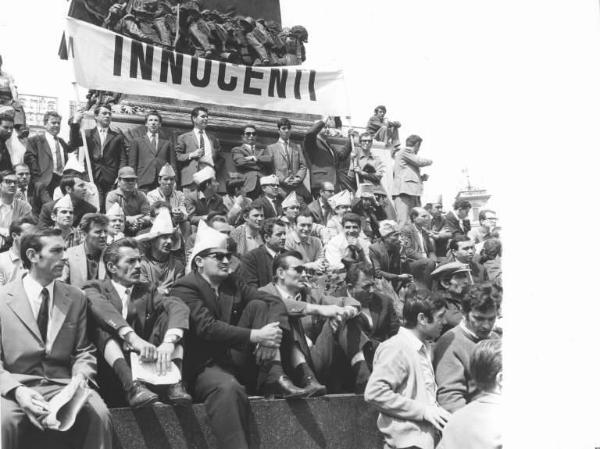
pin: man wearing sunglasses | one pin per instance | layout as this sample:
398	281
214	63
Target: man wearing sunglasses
252	162
368	166
228	321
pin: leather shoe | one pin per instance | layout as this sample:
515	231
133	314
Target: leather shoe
313	387
177	395
139	396
283	388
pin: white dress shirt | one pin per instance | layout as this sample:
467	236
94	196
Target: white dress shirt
52	142
33	290
103	132
207	145
425	361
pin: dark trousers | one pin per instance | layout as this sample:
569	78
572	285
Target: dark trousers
92	428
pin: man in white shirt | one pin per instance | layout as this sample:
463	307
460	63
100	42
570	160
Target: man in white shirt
45	347
131	316
10	208
10	261
335	250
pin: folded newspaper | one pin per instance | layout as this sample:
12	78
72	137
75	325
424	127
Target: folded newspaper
148	372
65	406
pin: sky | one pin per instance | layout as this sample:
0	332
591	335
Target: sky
506	89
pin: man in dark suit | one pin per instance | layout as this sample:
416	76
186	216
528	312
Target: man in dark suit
457	220
252	162
197	149
153	327
320	208
388	255
44	347
26	189
269	200
288	162
325	156
257	265
46	156
227	319
107	149
6	130
149	153
420	249
75	187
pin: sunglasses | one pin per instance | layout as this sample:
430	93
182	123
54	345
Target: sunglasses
366	141
220	256
129	179
299	269
250	134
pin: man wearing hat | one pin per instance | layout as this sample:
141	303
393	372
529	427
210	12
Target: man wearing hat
388	255
341	203
204	197
382	199
84	262
269	200
160	266
290	207
252	162
320	208
75	188
62	218
133	202
382	129
408	181
166	192
228	319
451	281
369	210
116	223
336	248
368	166
128	315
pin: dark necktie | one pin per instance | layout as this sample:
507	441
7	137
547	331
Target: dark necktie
153	141
42	319
59	164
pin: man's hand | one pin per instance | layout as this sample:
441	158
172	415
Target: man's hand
269	335
77	117
350	312
436	416
239	200
196	154
405	277
264	354
33	404
330	311
79	379
164	353
147	351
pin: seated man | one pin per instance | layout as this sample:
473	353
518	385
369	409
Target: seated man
133	202
166	192
116	223
388	255
290	207
369	210
337	246
320	208
227	320
75	188
381	128
160	266
450	282
11	208
461	249
257	265
44	347
487	229
84	262
477	425
452	352
247	236
341	204
129	316
269	200
11	265
310	247
62	218
457	220
234	200
420	249
204	199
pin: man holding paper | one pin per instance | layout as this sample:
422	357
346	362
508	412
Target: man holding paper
44	347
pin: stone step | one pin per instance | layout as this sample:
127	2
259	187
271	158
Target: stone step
342	421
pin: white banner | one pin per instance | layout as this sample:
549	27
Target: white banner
105	60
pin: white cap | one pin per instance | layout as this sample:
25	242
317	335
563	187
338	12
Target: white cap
267	180
387	227
290	200
162	225
64	203
166	170
365	190
115	211
74	164
206	238
203	175
343	198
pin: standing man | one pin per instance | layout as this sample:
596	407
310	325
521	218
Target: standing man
288	161
106	147
6	130
133	202
252	162
11	265
269	200
150	152
46	156
320	208
52	349
84	262
197	149
438	221
402	386
408	181
369	167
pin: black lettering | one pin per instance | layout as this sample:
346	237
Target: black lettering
139	59
118	59
278	80
205	76
221	79
311	85
250	75
175	62
297	85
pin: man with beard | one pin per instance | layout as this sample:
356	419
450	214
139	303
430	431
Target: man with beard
452	352
388	255
252	162
369	210
337	246
450	282
132	201
257	265
320	208
160	267
84	262
228	319
247	236
130	316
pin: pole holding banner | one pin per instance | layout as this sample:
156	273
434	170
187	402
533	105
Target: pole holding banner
86	154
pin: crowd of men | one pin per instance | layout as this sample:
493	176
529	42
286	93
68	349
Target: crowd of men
305	278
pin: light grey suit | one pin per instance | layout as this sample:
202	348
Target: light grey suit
408	186
75	271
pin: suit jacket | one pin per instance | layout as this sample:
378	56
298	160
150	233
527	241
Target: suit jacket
239	236
452	225
80	208
38	156
294	165
324	156
75	271
5	160
257	267
410	233
316	210
149	309
407	173
252	170
187	143
106	160
23	356
147	160
267	208
384	264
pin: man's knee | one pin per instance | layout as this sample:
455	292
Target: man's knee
97	411
12	418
